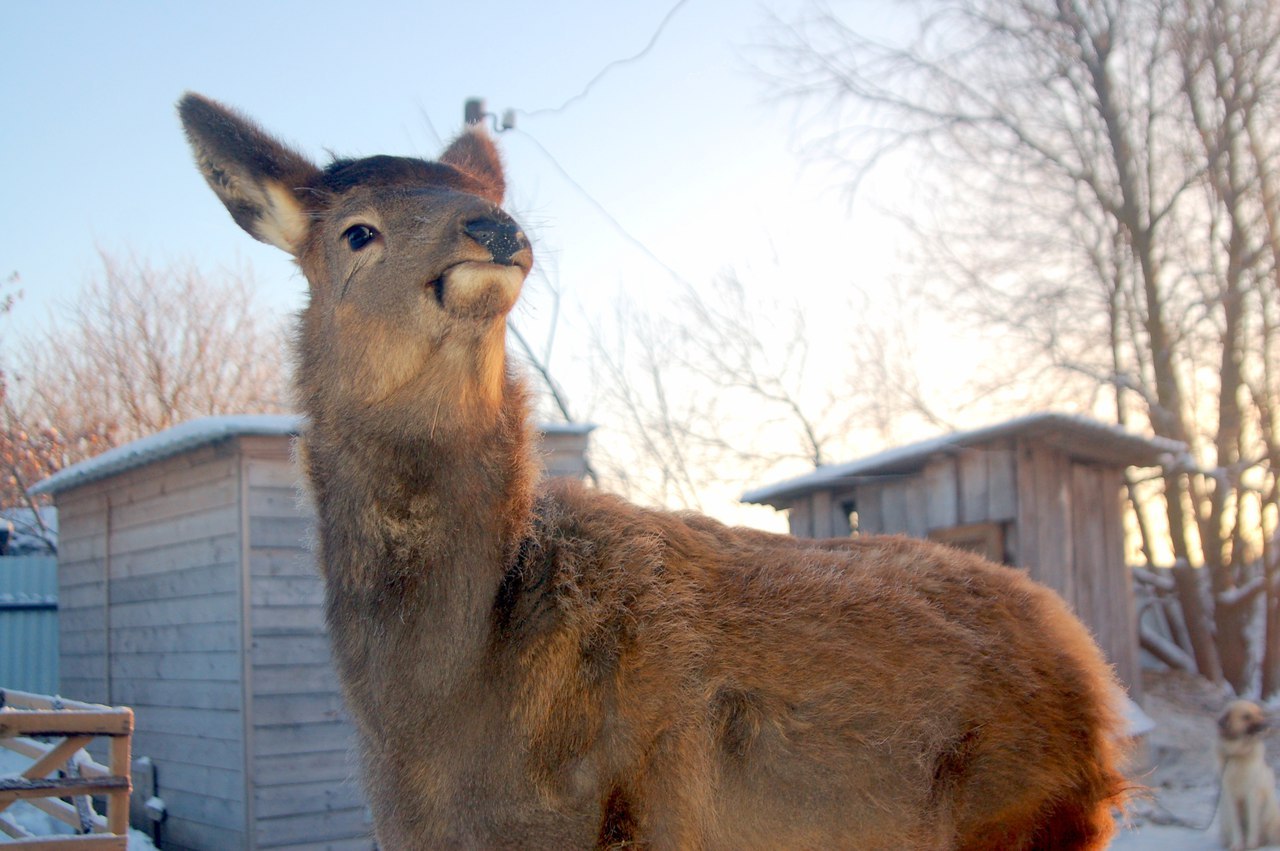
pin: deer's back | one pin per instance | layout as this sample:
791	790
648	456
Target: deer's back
720	687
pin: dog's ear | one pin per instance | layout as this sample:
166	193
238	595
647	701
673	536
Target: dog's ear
1224	723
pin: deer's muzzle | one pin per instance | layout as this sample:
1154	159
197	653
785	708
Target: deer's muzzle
500	236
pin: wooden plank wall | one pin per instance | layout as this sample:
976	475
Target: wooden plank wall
972	486
306	791
82	610
1071	538
820	515
564	454
162	636
1045	518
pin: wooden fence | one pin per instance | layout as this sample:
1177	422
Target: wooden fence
53	732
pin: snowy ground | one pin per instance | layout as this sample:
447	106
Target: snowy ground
1178	814
39	823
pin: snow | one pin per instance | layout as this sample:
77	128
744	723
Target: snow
40	823
167	443
1138	722
1158	838
1135	449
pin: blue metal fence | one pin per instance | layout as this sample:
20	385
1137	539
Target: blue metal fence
29	623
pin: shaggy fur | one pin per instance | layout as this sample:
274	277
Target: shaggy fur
540	665
1248	815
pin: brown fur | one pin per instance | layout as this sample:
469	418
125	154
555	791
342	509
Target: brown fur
540	665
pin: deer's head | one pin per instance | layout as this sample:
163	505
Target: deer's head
412	265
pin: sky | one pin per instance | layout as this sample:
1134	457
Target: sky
682	150
682	160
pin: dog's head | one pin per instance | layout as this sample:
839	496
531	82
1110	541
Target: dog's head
1242	719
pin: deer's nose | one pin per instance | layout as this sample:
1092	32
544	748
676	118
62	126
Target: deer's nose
500	235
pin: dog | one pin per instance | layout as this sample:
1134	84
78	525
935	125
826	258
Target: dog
1248	813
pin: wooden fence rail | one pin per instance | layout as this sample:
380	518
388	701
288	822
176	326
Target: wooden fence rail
52	732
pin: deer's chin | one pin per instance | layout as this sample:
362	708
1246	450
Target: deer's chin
475	290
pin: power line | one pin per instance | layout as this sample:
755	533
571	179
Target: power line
600	208
614	64
564	173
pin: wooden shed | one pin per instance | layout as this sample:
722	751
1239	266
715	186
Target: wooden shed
188	592
1041	492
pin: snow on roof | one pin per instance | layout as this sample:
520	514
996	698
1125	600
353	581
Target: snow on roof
199	432
566	428
1079	437
167	443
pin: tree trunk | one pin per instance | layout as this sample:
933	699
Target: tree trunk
1271	641
1191	598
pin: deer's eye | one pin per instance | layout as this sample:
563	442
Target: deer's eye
358	236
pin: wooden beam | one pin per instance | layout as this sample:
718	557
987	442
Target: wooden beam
15	788
40	723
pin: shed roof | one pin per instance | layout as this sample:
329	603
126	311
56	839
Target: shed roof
1079	437
199	432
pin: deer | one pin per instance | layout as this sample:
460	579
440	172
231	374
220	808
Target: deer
535	663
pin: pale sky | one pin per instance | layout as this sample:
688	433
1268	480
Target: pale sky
684	147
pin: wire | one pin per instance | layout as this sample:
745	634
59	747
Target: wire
586	90
614	64
600	208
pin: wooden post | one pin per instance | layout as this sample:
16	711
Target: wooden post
118	802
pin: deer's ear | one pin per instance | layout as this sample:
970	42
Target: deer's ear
257	177
475	154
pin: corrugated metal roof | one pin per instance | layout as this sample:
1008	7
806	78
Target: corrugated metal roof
29	623
199	432
1080	437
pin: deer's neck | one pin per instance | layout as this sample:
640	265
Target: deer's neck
418	526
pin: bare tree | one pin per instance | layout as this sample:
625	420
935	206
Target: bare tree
723	386
641	390
139	350
22	455
1110	171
